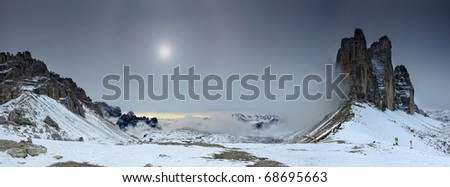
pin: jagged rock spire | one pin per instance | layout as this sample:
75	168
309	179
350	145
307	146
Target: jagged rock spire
371	74
381	59
353	58
404	89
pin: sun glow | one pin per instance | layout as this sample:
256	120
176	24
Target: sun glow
165	52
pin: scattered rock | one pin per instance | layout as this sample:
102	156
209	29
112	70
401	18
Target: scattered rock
21	149
163	155
7	144
16	116
56	136
73	164
50	122
35	150
17	152
148	165
3	120
267	163
58	157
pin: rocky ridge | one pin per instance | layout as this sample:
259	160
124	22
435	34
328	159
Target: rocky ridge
371	76
258	121
21	72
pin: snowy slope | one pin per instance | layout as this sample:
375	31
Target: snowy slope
370	125
71	126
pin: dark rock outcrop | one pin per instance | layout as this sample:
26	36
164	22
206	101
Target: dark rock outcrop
17	117
371	77
353	58
404	90
107	110
129	119
21	72
381	59
50	122
258	121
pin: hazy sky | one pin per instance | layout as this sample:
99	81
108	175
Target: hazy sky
86	40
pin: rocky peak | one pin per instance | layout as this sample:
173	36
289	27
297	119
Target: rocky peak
404	90
22	73
371	75
359	35
353	58
107	110
381	59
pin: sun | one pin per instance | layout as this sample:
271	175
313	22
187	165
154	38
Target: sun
165	52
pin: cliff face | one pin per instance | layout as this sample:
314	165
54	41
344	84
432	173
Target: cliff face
404	90
371	76
20	72
353	58
381	60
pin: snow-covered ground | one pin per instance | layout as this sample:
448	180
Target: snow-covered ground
365	140
317	154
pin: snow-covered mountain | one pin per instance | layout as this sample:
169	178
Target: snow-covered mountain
364	124
41	117
440	115
258	121
381	107
38	103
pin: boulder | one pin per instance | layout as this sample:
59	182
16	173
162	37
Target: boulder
35	150
17	152
50	122
17	117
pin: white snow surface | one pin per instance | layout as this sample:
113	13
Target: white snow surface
369	125
366	140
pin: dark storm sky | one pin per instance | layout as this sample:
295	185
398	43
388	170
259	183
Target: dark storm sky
86	40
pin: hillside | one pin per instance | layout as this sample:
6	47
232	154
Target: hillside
40	117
